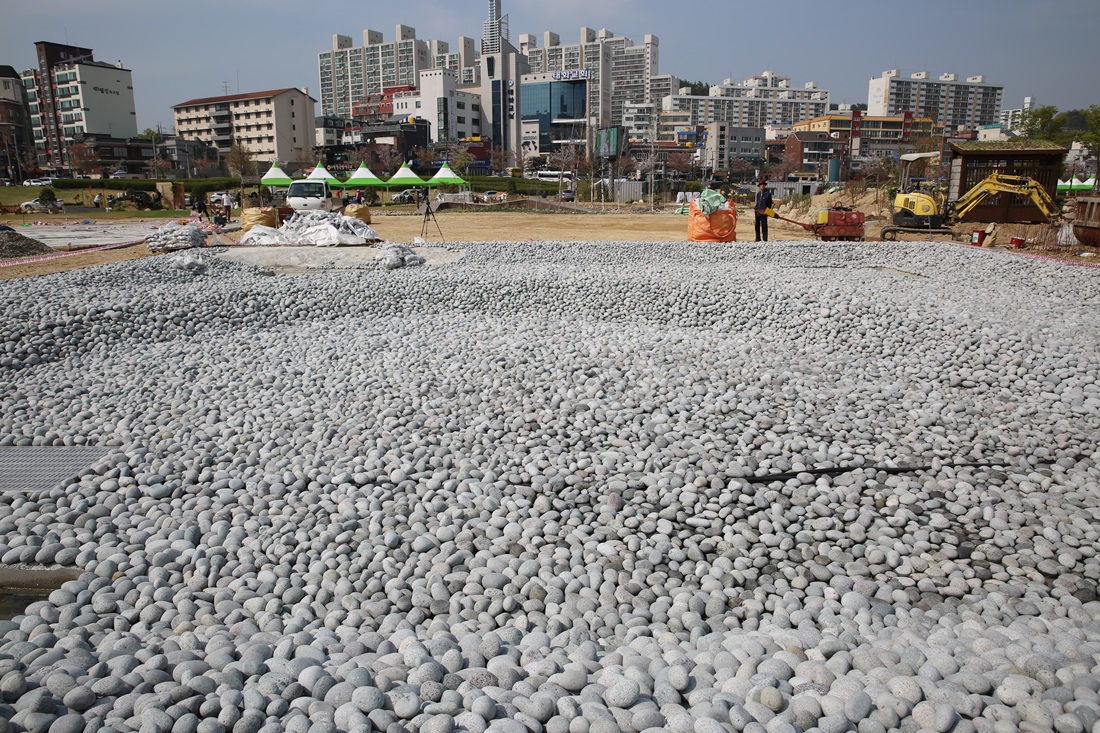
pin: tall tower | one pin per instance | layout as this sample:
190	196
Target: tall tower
494	30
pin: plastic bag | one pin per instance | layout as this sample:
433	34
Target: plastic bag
190	262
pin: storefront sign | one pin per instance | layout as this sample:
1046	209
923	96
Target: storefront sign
572	74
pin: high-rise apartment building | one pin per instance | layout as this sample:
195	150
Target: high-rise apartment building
954	103
757	101
71	94
1011	118
618	70
463	62
349	73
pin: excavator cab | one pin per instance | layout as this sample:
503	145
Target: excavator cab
916	208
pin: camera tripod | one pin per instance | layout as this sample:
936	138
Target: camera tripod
430	215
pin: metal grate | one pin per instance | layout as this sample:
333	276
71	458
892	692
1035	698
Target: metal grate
42	468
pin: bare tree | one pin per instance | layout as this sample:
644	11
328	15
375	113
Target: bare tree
84	159
392	158
679	162
499	159
239	161
424	157
28	161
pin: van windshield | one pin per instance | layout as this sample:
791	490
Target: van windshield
307	189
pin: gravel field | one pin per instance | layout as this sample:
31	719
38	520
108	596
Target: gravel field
562	488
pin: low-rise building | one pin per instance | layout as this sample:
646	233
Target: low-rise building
15	131
812	151
274	125
452	113
873	136
727	143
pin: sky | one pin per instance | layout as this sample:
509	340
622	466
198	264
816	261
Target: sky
178	51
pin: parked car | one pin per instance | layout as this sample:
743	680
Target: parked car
38	182
408	196
37	207
567	195
5	182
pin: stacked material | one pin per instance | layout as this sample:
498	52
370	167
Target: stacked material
396	256
175	236
316	228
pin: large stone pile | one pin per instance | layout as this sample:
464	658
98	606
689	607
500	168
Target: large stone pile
530	492
14	245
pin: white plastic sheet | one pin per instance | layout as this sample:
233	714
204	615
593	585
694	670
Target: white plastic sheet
316	228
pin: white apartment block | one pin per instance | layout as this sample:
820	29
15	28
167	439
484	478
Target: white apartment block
71	94
452	114
953	103
348	73
277	125
462	62
620	71
1011	118
758	101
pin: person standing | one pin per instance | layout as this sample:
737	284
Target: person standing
98	200
763	202
227	206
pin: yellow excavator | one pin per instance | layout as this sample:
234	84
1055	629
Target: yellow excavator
916	212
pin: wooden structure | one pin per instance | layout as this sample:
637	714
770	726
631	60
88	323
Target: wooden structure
1086	222
971	162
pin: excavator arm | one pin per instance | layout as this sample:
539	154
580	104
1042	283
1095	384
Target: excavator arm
997	183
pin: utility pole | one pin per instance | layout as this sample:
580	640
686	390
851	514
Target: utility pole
653	159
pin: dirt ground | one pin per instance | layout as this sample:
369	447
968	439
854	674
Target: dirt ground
638	224
74	262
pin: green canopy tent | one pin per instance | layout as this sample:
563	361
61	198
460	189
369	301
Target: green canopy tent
363	177
275	177
445	177
405	177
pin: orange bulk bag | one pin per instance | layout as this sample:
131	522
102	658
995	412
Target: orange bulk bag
721	226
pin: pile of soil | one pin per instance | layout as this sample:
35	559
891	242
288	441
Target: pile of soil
14	245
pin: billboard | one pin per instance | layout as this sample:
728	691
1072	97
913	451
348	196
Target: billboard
609	142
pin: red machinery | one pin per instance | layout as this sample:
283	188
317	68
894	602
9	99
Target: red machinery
836	224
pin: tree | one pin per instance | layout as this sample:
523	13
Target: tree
392	158
499	159
150	134
239	161
28	161
461	160
1090	136
83	158
1044	123
699	88
741	168
424	157
534	164
680	162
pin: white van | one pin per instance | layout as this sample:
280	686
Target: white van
310	195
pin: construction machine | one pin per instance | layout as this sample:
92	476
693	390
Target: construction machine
838	224
916	212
